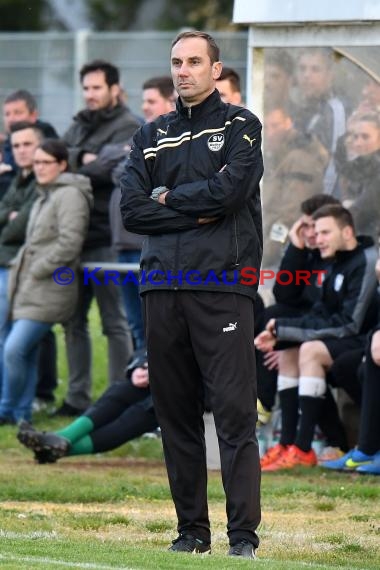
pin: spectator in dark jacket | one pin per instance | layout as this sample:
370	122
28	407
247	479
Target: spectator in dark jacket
104	121
347	310
14	213
293	299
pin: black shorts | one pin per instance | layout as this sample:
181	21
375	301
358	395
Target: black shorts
337	346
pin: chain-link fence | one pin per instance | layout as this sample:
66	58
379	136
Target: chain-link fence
47	64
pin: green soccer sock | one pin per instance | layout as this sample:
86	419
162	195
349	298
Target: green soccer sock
77	429
83	446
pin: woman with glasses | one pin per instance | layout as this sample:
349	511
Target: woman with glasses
43	283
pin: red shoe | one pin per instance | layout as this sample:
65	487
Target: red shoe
291	458
272	454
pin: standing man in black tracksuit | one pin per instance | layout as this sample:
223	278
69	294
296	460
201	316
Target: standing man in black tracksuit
192	185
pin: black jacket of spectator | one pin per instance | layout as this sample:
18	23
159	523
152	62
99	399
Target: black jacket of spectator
90	132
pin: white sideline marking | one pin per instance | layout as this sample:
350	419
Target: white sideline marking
36	534
93	566
296	563
53	561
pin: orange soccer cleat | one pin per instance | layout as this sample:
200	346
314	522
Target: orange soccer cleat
292	457
272	454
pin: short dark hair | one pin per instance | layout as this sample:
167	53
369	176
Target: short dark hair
312	204
163	83
56	148
212	47
111	72
22	125
232	76
341	215
22	95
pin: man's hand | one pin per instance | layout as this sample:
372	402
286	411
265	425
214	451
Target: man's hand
295	234
271	360
265	341
140	377
157	192
88	157
161	198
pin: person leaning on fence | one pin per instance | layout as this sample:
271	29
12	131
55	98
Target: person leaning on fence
191	180
347	311
125	411
104	121
55	233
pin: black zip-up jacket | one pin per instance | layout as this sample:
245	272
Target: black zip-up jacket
348	306
298	293
90	132
186	151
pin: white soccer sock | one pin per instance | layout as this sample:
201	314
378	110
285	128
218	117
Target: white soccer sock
286	382
312	386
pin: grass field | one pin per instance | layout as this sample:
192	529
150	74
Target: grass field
113	511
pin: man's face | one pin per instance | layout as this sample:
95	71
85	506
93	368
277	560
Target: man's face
330	238
364	138
193	73
276	126
371	94
308	231
154	104
97	93
313	76
227	94
16	111
276	82
24	144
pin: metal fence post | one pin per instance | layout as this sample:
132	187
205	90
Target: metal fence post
80	58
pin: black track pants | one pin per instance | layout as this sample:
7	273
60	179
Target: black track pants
196	339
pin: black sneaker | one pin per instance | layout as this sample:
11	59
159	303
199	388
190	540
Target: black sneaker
243	548
67	410
191	544
47	446
45	456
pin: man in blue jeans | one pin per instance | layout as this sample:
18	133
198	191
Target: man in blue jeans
14	213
